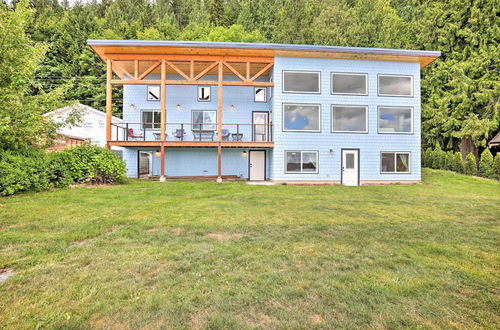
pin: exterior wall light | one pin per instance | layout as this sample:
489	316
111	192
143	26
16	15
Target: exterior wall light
232	107
244	154
157	153
133	107
178	107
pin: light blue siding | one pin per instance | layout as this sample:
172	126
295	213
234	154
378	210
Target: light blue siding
203	161
370	144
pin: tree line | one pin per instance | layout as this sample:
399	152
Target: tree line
460	91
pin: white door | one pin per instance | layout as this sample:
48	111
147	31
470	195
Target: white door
260	127
257	164
350	167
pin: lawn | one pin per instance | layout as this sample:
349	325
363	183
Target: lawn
207	255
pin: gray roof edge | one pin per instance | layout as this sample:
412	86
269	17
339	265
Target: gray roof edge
243	45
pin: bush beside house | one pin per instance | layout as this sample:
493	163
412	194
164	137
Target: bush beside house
489	166
36	170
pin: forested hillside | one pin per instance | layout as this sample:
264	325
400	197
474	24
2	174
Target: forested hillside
460	91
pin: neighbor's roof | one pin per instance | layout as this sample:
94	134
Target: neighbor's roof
80	106
495	142
160	47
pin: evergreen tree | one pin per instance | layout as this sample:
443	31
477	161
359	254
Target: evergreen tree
458	164
470	166
496	165
486	168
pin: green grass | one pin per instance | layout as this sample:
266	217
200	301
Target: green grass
207	255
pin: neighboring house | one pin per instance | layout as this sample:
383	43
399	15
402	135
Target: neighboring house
92	126
286	113
495	142
63	141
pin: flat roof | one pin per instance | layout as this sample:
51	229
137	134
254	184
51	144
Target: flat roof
105	47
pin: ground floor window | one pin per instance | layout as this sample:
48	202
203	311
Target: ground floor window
204	120
301	161
395	162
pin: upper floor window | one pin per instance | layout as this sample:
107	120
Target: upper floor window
301	82
204	93
151	119
260	94
349	118
395	85
349	83
301	161
301	117
204	120
395	162
395	120
153	93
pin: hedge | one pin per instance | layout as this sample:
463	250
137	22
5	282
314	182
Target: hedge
36	170
489	166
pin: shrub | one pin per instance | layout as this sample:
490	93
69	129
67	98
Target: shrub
449	160
36	170
486	165
458	164
427	157
438	158
496	165
21	172
94	164
470	166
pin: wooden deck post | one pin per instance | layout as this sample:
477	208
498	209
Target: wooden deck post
109	101
219	122
163	119
162	163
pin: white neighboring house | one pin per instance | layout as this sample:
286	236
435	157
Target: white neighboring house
92	125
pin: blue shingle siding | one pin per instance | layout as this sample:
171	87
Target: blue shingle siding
370	144
203	161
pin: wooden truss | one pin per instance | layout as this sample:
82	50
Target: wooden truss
191	70
133	69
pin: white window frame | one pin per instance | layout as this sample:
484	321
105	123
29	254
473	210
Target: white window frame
387	106
209	93
350	106
301	162
152	128
300	71
255	94
348	74
159	93
395	161
394	75
300	130
203	124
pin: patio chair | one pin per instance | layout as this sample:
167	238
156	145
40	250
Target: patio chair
179	134
225	134
132	135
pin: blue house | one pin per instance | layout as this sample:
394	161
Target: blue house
284	113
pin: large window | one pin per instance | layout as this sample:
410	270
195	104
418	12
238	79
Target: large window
204	120
151	119
349	83
393	85
301	161
301	117
301	82
349	118
395	120
395	162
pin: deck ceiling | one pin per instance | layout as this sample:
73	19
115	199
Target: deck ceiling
137	49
